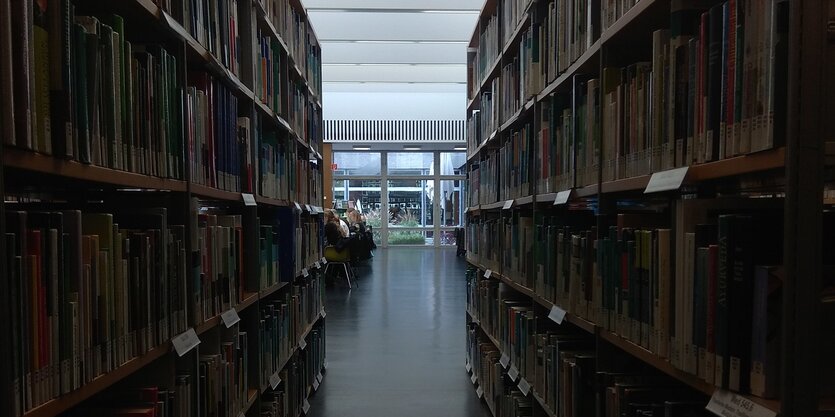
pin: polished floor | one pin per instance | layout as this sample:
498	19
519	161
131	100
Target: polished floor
396	344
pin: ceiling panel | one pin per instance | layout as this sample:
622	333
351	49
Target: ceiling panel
395	73
380	87
396	4
399	53
362	26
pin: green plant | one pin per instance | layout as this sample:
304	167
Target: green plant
406	238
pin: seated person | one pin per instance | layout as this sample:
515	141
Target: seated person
338	246
332	217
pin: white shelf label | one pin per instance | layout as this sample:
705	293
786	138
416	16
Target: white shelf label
319	377
302	344
305	273
557	314
249	200
524	386
504	360
185	342
317	264
507	205
727	404
474	378
323	313
275	380
666	180
480	392
324	261
325	365
306	406
298	207
468	367
488	273
562	197
513	373
315	385
230	317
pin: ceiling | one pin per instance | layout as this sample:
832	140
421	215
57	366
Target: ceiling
386	45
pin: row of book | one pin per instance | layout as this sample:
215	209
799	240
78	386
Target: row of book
518	243
513	12
304	49
94	291
482	58
283	323
612	10
76	88
511	90
514	163
672	295
562	31
555	145
213	24
150	401
269	247
277	160
223	378
559	365
484	121
269	72
218	139
220	278
304	372
309	240
484	178
486	247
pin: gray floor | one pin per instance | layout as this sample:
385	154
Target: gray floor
396	344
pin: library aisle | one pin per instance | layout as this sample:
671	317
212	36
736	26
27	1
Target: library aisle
395	344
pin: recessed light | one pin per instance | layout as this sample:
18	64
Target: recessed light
460	148
411	148
362	148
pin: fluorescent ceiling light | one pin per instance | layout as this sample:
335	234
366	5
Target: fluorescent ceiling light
460	148
411	148
395	41
362	148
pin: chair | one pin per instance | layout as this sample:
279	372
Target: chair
339	259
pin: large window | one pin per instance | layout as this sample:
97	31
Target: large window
409	198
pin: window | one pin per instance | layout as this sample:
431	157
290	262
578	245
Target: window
410	163
359	164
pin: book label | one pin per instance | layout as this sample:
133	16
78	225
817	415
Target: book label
562	197
302	344
230	317
315	385
474	378
249	200
524	386
298	207
306	406
480	392
488	273
185	342
319	377
323	313
324	261
307	208
505	360
727	404
468	367
274	380
507	205
513	373
305	273
317	265
666	180
557	314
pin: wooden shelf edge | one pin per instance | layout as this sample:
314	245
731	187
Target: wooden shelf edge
542	404
627	18
295	348
561	79
513	40
26	160
97	385
214	193
271	201
271	290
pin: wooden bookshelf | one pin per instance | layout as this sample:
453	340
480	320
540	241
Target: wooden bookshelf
28	161
295	348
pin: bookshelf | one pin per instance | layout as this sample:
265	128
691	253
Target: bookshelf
162	179
571	127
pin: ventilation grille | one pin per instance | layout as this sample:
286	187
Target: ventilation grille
395	131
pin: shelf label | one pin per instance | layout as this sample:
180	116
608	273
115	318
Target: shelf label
317	265
480	392
468	367
324	261
315	385
275	380
488	273
727	404
557	314
307	208
320	377
524	386
302	344
513	373
306	406
474	378
562	197
666	180
305	273
241	414
249	200
185	342
505	360
507	205
323	313
298	207
230	317
325	365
